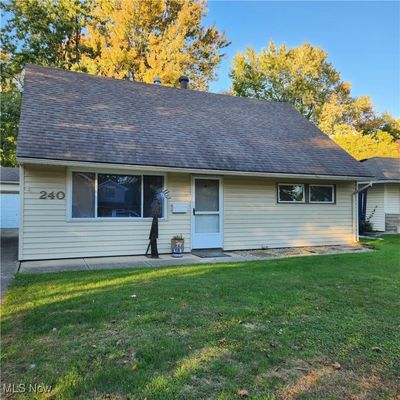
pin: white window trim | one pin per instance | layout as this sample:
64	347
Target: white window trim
112	172
321	202
291	202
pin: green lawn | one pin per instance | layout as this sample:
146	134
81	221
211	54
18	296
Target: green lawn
272	328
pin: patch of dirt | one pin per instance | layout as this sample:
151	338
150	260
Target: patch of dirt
305	383
302	251
320	379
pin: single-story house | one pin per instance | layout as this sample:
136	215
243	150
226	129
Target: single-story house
241	173
9	197
380	203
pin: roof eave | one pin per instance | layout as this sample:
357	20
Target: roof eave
379	181
65	163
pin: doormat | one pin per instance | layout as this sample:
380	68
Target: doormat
209	253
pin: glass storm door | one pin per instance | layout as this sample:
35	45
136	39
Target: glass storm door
207	213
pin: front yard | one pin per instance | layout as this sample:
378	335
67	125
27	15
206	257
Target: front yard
323	327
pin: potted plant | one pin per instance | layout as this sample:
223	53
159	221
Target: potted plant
177	246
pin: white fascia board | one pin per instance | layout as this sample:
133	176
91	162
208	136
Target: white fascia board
379	182
43	161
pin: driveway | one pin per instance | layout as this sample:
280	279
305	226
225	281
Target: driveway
9	256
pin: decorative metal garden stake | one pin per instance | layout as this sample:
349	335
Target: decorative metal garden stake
156	213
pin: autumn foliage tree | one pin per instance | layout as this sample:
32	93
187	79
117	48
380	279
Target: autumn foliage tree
304	77
361	145
141	40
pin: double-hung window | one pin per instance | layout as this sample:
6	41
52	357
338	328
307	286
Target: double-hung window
102	195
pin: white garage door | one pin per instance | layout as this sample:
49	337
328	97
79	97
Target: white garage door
9	208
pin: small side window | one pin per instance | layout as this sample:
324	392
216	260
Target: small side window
322	194
291	193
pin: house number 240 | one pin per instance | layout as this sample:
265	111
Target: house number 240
59	195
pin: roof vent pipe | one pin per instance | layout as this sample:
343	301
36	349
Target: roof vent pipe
184	80
157	81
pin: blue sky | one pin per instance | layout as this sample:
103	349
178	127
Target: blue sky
362	39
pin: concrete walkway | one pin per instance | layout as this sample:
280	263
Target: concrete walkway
9	256
98	263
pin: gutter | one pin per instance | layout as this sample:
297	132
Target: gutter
45	161
381	181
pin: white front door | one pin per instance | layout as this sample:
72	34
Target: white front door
207	229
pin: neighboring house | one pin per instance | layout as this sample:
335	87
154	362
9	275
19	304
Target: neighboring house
381	201
9	197
242	173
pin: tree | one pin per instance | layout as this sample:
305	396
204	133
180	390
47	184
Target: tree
10	104
141	40
358	113
391	125
362	146
301	76
44	32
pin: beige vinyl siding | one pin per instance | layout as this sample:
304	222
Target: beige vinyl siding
376	207
392	198
392	207
48	234
253	218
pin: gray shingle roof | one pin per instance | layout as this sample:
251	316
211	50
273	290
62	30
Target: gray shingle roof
8	174
383	168
79	117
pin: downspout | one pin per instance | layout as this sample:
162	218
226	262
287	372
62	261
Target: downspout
21	212
356	209
355	214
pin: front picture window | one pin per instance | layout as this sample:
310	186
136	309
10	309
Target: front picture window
291	193
118	196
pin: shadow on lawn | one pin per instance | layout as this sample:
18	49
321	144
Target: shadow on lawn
198	330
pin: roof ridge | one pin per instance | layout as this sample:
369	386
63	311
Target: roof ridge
159	87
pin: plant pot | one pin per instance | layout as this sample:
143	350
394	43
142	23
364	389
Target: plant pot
177	247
